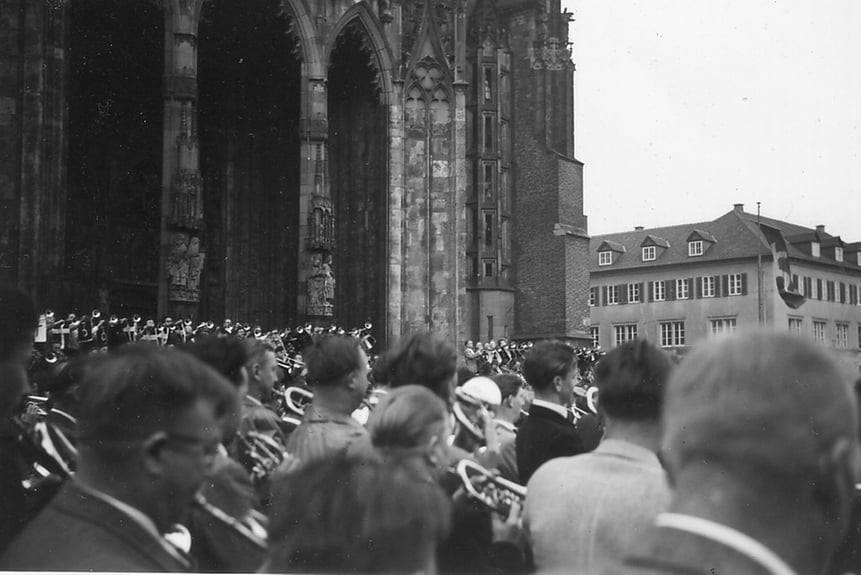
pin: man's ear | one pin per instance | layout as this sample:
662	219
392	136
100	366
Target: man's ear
557	383
835	486
152	452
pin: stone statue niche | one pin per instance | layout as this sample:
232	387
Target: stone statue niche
320	243
321	285
184	266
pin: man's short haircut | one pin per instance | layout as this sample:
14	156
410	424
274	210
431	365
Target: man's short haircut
545	361
424	359
255	350
762	405
380	372
342	514
227	355
509	384
18	319
331	358
406	418
139	389
631	379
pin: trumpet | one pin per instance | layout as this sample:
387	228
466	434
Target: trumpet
494	492
250	529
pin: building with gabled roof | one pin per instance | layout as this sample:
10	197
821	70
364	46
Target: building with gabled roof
681	285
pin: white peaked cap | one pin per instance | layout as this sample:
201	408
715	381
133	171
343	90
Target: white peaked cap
483	389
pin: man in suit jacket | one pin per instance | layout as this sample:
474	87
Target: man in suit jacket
583	512
760	442
548	432
149	426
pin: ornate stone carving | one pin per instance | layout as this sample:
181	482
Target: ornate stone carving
551	55
321	225
185	211
321	286
184	267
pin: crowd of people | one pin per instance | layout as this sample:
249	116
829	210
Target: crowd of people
741	458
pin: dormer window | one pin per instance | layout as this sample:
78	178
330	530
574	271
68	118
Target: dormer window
838	253
814	249
695	248
649	253
605	258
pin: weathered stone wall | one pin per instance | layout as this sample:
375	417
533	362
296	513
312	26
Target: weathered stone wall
32	146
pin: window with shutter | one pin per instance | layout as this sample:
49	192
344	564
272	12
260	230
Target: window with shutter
743	284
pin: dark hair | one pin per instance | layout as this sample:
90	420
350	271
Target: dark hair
18	319
406	418
140	389
227	355
509	384
545	361
380	372
330	358
255	350
424	359
631	380
355	515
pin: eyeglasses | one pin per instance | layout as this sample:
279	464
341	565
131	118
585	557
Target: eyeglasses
208	448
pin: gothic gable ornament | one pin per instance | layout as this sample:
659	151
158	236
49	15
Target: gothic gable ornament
551	55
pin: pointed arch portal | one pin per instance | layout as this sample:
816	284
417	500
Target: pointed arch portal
358	169
249	108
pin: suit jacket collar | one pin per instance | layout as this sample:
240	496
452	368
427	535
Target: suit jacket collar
540	410
78	502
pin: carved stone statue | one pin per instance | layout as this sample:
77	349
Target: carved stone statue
320	284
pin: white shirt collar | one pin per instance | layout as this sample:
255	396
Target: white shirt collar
560	409
254	401
732	538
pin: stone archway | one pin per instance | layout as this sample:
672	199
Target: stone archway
114	155
249	78
358	172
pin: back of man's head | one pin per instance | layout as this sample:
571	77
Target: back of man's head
139	390
342	515
631	380
424	359
509	384
227	355
547	360
18	319
763	408
330	359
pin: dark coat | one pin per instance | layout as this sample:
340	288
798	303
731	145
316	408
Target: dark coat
78	532
543	436
665	551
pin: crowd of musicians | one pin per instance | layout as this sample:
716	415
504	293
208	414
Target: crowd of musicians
211	454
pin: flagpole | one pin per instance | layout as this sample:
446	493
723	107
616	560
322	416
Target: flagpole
758	270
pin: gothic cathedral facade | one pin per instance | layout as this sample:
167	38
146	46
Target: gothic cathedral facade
408	163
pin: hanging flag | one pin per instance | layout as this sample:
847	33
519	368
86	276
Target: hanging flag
787	288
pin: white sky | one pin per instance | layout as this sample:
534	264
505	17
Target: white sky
685	107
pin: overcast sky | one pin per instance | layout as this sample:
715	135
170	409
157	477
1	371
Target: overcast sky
683	108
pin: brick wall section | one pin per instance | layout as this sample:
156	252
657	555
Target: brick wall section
551	268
